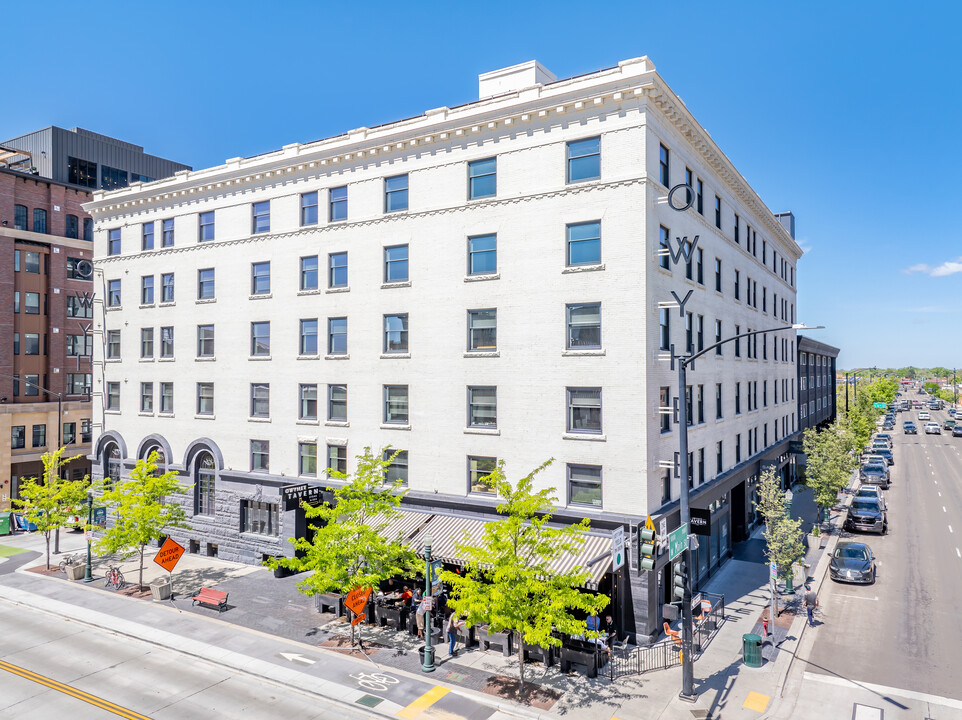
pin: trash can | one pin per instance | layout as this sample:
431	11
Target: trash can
5	519
752	650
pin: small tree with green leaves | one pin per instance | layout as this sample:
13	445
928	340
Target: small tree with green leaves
50	502
830	462
350	549
783	534
142	512
509	583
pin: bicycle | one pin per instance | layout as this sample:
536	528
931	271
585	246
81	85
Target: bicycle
114	577
69	560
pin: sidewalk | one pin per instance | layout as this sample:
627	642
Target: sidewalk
273	631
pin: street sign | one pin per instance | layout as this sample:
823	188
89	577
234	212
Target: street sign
359	619
617	548
169	554
773	570
294	494
880	406
677	539
356	600
700	521
662	534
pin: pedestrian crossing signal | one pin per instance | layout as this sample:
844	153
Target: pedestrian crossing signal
647	542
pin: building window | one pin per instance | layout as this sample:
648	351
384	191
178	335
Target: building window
483	330
718	275
205	284
479	468
664	324
260	455
337	403
79	345
147	343
700	332
31	262
113	241
584	326
261	339
396	333
483	255
78	269
167	397
147	290
31	385
738	448
397	471
738	341
737	228
584	485
699	266
167	287
584	410
738	285
39	220
308	343
396	264
483	406
18	437
337	336
167	342
39	436
31	344
718	337
205	398
718	401
396	404
78	383
307	402
664	166
112	178
718	213
337	459
19	217
204	477
337	270
701	404
738	398
309	208
482	178
205	226
396	193
81	172
664	249
72	227
31	303
307	459
700	197
337	203
260	518
147	236
113	396
261	217
309	272
167	233
146	397
205	341
261	278
584	243
584	159
664	408
113	344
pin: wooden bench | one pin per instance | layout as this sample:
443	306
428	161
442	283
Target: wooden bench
330	600
213	598
581	652
489	638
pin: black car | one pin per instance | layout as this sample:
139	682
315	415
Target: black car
910	429
875	474
852	562
867	514
886	453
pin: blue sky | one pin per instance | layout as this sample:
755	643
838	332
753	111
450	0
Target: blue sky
847	114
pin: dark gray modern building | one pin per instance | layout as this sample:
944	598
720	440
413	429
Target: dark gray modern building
816	383
84	158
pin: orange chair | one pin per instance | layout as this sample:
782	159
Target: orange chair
675	637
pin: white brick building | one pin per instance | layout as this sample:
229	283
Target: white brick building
243	303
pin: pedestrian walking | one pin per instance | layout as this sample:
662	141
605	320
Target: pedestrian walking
419	617
452	626
811	602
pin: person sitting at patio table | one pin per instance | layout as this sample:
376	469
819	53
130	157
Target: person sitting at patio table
406	596
593	624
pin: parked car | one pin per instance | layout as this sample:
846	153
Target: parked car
871	492
875	473
867	514
910	429
957	431
933	428
885	453
924	415
886	436
852	562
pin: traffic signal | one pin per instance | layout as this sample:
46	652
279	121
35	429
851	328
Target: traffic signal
678	573
647	541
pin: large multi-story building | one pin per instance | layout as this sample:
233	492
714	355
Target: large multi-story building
497	281
816	383
46	276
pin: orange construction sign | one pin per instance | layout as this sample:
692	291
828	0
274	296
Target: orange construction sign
359	619
169	554
356	600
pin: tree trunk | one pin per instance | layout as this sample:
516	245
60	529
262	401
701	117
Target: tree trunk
520	658
140	576
47	538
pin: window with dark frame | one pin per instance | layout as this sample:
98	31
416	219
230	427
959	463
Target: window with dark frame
337	270
337	203
309	208
482	178
261	217
584	410
205	226
308	275
583	159
584	485
396	193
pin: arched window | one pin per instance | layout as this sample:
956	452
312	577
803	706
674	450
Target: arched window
204	476
111	464
161	459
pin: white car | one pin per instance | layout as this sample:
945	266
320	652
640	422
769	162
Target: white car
933	429
924	415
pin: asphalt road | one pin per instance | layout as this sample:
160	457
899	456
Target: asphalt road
905	631
82	673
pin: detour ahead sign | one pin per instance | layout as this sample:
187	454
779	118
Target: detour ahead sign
169	554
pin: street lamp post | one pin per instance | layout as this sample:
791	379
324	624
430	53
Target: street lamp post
687	666
90	523
428	664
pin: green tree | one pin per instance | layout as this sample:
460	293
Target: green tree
831	460
930	387
49	503
141	510
783	534
509	582
350	549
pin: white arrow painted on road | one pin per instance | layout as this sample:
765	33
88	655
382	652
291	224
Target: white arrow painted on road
295	657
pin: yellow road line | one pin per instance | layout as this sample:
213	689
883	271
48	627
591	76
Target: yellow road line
73	692
423	703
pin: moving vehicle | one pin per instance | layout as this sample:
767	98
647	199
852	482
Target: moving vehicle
924	415
852	562
933	428
957	431
910	429
948	424
867	514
